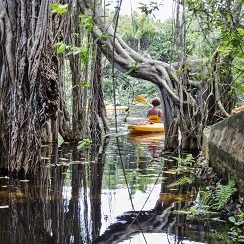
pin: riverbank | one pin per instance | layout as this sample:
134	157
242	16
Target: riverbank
222	157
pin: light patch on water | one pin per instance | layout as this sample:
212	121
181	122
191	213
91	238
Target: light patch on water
155	238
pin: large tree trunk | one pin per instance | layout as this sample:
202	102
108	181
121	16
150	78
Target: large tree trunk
29	81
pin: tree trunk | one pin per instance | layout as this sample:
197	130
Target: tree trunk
29	82
97	106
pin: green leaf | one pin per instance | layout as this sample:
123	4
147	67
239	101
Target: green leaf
61	48
83	16
58	44
55	7
232	219
61	11
84	84
59	8
130	70
97	39
85	143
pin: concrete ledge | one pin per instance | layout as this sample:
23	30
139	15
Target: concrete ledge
225	148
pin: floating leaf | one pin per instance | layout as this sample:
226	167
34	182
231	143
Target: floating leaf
170	172
4	206
43	158
24	180
4	177
63	159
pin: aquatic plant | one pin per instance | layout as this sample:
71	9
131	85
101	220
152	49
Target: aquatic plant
223	194
211	200
182	181
187	161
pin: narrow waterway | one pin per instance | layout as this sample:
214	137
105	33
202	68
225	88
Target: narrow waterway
116	192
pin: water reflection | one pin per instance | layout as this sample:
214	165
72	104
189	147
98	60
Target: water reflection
116	192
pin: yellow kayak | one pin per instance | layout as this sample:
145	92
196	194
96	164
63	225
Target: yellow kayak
148	128
121	108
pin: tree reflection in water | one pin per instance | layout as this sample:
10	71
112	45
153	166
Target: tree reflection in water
65	202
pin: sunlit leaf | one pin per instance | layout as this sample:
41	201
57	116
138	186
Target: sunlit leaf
44	158
62	11
170	172
55	7
84	84
58	43
83	16
4	206
61	48
4	177
63	159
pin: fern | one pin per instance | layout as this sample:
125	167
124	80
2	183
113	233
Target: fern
187	161
182	181
207	200
223	193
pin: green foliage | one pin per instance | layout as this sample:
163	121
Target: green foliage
60	47
85	143
82	51
236	231
132	68
209	200
59	8
237	219
87	22
150	8
104	37
223	19
182	181
223	193
187	161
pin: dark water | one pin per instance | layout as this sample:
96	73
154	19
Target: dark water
116	192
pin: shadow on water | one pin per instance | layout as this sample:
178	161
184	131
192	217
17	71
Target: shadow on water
113	193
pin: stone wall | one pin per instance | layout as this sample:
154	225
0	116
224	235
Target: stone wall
223	147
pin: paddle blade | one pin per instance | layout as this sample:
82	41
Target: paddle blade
141	99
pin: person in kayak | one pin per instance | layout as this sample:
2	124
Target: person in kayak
155	114
117	101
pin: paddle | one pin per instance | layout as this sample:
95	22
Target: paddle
141	99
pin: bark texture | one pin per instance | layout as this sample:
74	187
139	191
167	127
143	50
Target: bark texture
29	81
